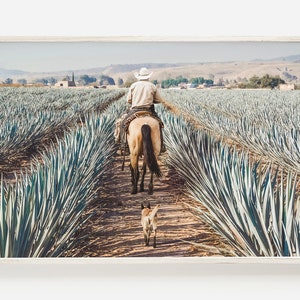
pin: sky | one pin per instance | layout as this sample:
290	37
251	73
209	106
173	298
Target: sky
61	56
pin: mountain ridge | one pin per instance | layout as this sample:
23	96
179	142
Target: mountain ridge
288	66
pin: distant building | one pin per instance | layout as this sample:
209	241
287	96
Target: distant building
66	83
287	87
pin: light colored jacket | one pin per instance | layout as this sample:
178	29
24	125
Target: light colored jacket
143	93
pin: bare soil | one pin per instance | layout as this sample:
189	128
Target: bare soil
114	228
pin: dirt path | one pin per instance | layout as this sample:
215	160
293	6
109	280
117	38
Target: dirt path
115	230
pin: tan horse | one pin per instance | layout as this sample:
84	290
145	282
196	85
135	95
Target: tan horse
144	139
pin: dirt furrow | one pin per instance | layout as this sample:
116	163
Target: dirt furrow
115	230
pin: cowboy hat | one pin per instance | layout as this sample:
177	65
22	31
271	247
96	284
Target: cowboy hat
143	74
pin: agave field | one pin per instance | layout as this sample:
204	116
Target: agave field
238	152
41	210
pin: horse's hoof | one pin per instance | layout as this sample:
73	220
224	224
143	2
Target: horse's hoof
134	190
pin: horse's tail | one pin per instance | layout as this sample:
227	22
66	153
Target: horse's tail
149	155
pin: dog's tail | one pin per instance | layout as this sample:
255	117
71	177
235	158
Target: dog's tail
154	211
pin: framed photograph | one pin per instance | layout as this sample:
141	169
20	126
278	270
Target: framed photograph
216	193
226	185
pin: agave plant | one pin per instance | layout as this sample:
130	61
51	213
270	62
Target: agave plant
40	214
265	122
257	212
31	117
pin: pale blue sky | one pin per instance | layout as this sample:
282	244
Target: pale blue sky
44	57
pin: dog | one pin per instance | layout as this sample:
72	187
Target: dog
149	222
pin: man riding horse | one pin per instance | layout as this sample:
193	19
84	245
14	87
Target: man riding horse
142	96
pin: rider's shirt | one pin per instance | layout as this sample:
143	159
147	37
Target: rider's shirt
143	93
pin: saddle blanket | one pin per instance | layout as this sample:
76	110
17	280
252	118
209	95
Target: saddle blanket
140	114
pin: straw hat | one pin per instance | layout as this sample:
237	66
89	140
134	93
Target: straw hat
143	74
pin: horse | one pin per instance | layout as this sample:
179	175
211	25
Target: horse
144	140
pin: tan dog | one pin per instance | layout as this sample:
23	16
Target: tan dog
149	222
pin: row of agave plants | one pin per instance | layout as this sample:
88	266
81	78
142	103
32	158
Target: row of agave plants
55	99
266	122
41	212
31	116
255	208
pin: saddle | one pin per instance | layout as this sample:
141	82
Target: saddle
139	114
124	124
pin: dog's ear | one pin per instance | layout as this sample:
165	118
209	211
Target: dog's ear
145	204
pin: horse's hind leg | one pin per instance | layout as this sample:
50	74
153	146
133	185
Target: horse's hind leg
135	175
134	178
143	177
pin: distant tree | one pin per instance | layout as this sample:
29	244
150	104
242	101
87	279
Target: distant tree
22	81
265	81
43	81
52	80
197	80
8	81
168	83
254	82
106	80
86	79
120	82
209	82
201	80
171	82
181	79
276	81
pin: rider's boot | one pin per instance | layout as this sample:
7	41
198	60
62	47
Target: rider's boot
124	145
162	147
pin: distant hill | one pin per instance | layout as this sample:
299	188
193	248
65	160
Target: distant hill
291	58
288	68
5	73
125	70
227	71
113	69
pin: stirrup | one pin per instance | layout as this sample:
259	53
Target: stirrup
163	149
123	150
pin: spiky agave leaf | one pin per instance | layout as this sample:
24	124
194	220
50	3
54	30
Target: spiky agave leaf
241	202
42	212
